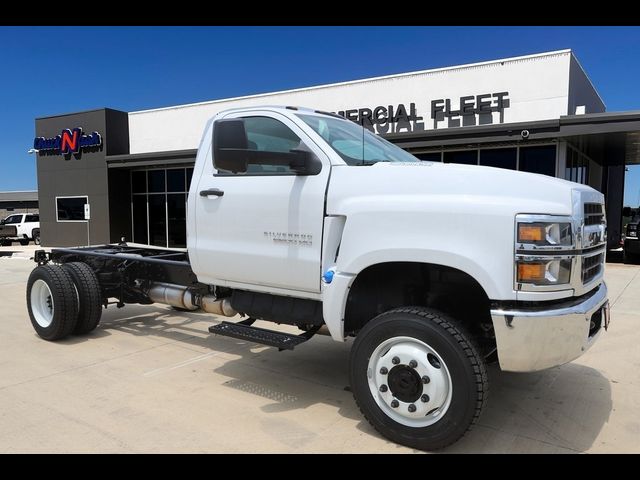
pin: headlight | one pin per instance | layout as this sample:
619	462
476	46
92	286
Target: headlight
544	272
545	234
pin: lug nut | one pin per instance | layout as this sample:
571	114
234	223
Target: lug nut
413	364
395	360
425	379
424	398
412	408
383	388
384	371
394	403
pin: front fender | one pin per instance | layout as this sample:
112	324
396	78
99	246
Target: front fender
335	294
434	257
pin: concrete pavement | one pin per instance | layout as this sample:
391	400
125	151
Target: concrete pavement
153	380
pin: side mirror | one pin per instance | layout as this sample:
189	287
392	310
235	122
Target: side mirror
2	222
304	162
230	145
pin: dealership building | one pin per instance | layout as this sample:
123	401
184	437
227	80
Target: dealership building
105	174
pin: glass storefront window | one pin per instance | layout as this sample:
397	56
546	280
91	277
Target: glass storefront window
540	159
175	180
177	217
189	175
140	219
139	182
430	156
159	206
466	157
156	181
499	157
158	220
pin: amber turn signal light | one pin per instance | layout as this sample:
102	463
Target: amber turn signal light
530	233
531	272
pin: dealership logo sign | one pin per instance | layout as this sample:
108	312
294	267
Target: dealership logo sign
68	142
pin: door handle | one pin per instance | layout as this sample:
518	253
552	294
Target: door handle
212	191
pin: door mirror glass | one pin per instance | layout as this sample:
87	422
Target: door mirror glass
230	145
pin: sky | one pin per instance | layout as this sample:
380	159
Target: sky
52	70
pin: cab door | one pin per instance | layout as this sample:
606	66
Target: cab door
262	228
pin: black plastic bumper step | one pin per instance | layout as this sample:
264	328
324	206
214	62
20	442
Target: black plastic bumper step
243	331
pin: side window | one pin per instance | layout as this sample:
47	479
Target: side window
32	218
13	219
267	134
70	209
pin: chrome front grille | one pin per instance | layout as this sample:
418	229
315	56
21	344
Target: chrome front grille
594	238
591	267
593	214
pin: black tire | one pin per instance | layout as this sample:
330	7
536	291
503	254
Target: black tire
36	236
24	242
469	382
62	297
4	242
89	296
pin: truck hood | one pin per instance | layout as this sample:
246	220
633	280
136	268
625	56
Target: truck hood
467	186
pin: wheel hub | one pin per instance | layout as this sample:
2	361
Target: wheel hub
42	303
409	381
405	383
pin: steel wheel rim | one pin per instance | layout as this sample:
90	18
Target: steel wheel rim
394	369
42	304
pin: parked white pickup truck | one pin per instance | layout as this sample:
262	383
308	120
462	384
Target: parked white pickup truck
27	226
301	217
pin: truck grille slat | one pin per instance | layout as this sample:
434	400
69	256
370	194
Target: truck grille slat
593	214
591	267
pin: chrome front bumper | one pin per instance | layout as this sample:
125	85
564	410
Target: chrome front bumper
537	338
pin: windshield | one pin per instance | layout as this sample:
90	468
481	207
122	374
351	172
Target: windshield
355	144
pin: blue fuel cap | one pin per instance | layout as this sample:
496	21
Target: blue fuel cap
328	276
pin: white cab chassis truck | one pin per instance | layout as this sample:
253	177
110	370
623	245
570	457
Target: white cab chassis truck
301	217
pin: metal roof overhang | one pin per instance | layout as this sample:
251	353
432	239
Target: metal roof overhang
176	157
619	126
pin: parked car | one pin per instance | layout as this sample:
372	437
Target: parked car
27	228
631	241
6	232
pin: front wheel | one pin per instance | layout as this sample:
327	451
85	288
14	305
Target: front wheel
417	377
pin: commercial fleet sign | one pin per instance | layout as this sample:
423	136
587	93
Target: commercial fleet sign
439	113
68	142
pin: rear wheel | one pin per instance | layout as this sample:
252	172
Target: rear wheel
417	377
36	236
52	302
89	296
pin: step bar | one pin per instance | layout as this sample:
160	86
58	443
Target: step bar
245	331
